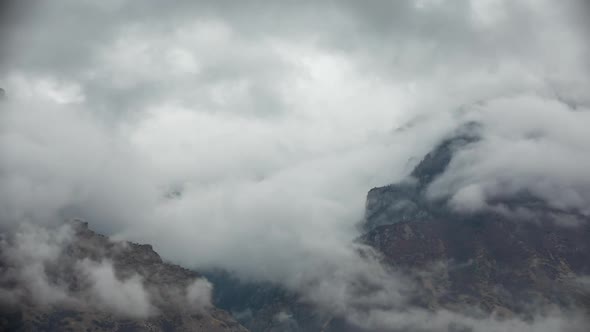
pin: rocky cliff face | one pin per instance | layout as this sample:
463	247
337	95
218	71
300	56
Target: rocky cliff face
87	282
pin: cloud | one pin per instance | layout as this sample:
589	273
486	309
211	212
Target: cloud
443	320
199	294
246	135
26	256
125	297
530	152
57	266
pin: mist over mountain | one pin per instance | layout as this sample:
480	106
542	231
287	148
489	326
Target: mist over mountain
72	279
519	260
242	139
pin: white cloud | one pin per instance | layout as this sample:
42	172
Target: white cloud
199	294
124	297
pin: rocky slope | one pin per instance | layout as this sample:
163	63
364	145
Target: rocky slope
490	263
87	260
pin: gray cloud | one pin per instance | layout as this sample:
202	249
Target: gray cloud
246	135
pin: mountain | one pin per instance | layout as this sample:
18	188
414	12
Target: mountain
117	267
491	260
488	261
407	201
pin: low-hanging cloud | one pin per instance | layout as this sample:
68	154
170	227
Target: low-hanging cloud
525	149
228	140
54	266
125	297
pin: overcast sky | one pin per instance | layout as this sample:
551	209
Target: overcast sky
245	134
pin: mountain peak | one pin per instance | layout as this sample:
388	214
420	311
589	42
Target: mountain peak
406	200
436	162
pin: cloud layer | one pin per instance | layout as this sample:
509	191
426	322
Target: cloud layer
246	135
